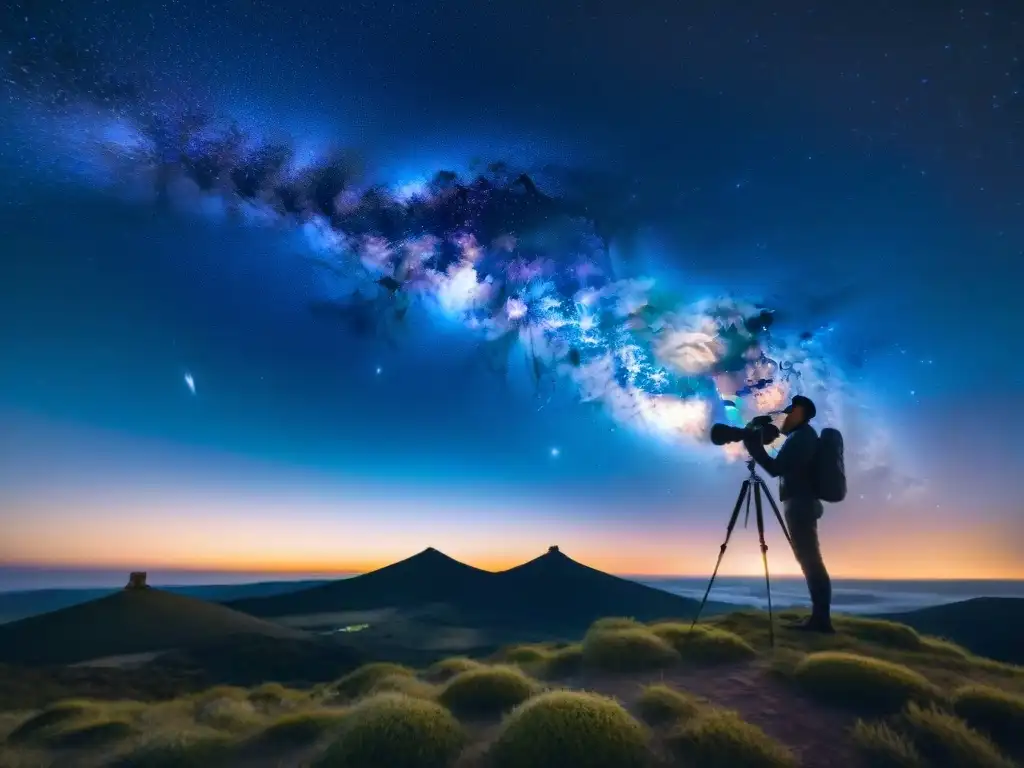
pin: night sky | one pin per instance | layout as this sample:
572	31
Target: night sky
168	399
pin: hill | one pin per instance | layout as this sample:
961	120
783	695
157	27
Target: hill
554	590
21	604
425	578
131	621
988	626
552	593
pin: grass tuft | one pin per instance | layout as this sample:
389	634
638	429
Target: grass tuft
889	634
444	670
996	713
863	683
523	654
410	686
940	647
566	728
361	681
616	622
398	732
721	739
946	740
884	747
274	696
705	644
564	662
44	722
487	691
301	728
180	752
659	704
226	714
221	693
627	650
91	735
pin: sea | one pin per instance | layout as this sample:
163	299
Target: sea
849	595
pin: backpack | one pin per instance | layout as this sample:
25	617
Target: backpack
830	467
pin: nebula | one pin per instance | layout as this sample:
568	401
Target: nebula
525	270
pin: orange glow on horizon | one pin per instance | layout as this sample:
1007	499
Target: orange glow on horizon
173	515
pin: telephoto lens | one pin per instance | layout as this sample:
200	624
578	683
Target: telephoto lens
721	434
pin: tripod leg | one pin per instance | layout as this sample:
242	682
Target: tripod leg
744	491
764	557
778	515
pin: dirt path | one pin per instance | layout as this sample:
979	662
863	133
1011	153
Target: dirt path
818	736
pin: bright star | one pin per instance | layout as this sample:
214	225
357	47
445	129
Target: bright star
555	453
190	383
379	370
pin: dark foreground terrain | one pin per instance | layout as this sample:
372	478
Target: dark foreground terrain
627	694
411	667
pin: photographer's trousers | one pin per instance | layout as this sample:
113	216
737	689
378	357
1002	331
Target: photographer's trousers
802	520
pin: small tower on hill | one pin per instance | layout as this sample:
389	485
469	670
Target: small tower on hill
553	550
137	580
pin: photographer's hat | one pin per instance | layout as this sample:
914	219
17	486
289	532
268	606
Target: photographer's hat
806	402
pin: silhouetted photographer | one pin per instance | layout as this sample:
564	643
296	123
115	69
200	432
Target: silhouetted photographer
811	471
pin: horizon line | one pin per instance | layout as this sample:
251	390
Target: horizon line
327	573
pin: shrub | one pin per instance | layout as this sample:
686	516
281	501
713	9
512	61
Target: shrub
398	732
996	713
721	739
659	704
884	747
487	691
301	728
44	722
627	650
880	632
944	739
705	644
179	752
568	728
564	661
863	683
360	681
93	734
446	669
616	622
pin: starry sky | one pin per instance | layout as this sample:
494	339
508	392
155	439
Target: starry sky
168	400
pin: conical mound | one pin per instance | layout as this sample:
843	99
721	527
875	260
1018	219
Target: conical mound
427	577
128	622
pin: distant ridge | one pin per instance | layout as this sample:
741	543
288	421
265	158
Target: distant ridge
551	591
987	626
130	621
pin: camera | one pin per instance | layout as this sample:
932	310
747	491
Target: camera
726	433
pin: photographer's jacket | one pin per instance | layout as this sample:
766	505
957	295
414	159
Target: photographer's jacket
794	464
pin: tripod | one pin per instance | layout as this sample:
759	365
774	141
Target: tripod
757	483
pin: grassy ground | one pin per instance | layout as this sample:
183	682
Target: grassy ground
627	695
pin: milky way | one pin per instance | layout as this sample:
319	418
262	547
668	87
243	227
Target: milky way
526	270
